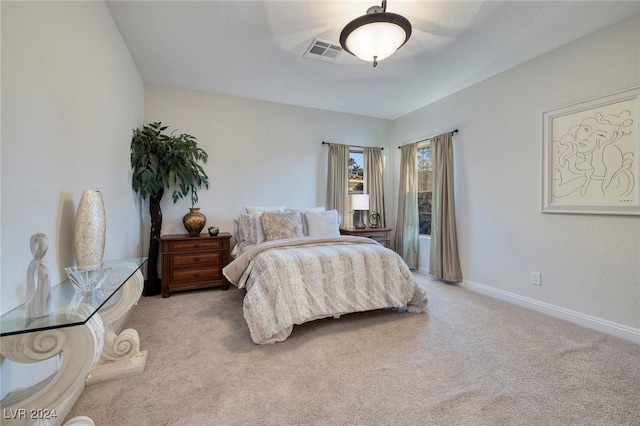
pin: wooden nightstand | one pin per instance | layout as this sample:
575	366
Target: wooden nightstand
193	262
381	235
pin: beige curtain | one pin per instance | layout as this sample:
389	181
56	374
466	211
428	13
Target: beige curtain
444	261
374	181
407	222
338	181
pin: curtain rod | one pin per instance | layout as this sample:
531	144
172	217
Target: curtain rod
353	146
426	139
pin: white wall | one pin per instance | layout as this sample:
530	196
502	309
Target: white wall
71	96
589	263
260	153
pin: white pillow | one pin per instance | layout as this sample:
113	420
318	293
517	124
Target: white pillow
302	211
323	224
310	209
252	209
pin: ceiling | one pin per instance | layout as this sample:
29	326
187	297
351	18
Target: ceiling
254	49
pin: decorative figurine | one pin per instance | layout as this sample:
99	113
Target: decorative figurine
39	302
374	220
213	230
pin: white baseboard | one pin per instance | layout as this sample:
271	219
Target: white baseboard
599	324
589	321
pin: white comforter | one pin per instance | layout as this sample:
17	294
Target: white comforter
302	279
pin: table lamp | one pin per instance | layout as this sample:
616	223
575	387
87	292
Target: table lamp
359	202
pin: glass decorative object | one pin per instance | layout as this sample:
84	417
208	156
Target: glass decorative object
87	280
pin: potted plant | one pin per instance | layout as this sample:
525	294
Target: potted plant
162	161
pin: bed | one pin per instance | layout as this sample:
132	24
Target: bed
297	268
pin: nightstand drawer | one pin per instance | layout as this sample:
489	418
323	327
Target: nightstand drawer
188	275
207	258
375	235
197	244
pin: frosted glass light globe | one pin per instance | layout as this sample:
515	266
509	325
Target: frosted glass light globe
379	39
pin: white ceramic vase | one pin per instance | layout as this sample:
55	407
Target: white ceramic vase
89	231
39	302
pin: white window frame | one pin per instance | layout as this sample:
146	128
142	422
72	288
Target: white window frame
358	150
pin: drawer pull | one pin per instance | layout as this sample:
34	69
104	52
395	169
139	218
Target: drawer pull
196	245
197	274
196	259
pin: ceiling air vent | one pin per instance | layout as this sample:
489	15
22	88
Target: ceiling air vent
324	51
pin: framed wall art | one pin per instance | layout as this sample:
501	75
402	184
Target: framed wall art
590	156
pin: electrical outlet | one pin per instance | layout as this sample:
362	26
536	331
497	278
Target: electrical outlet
536	278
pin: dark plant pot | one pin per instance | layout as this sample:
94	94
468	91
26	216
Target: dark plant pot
152	288
194	221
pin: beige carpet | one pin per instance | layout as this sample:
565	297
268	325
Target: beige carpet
471	360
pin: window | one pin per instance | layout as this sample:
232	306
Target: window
425	187
356	171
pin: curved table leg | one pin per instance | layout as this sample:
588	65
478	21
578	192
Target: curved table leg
80	421
49	401
121	356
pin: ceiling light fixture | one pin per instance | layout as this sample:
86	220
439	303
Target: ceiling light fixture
376	35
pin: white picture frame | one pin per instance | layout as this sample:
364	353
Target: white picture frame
590	156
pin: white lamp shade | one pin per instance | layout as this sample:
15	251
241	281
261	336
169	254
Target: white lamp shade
379	39
359	201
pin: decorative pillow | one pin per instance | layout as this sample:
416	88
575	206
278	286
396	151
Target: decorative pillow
255	213
278	226
323	224
255	219
246	229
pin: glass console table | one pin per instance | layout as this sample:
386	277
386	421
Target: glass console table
86	328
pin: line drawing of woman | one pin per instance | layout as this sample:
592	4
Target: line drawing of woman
589	161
